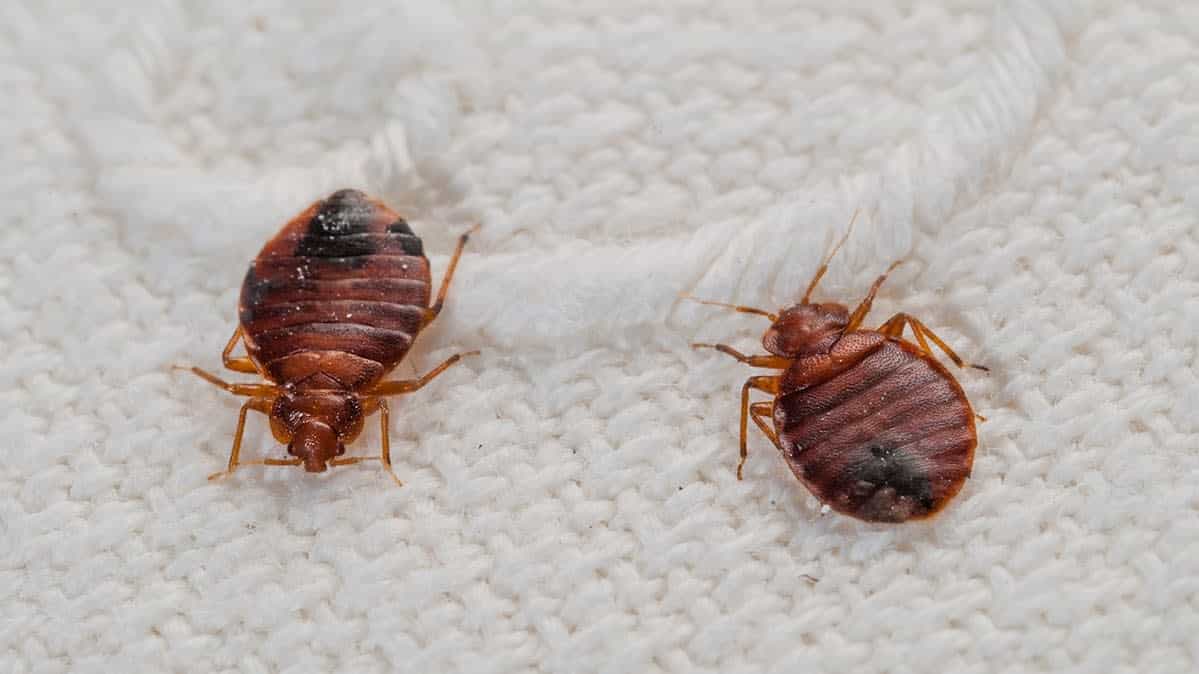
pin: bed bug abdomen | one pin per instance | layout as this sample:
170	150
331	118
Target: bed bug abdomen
337	297
887	439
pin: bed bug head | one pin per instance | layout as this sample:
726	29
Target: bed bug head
805	329
316	425
808	328
801	329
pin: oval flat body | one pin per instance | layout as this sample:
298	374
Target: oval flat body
872	424
328	308
336	298
888	437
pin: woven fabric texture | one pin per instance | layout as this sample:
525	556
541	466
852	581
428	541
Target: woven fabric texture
571	503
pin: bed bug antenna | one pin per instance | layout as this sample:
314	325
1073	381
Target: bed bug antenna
734	307
829	258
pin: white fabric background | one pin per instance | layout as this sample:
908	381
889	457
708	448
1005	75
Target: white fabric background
571	503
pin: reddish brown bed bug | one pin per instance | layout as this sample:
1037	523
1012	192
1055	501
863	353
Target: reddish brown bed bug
872	424
328	308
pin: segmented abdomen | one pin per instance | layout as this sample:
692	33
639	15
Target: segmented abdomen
890	438
336	298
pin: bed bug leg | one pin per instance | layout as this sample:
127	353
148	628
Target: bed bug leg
242	364
274	462
390	388
894	328
258	390
258	405
734	307
258	462
859	314
767	384
263	462
827	259
778	362
351	460
384	431
432	311
759	412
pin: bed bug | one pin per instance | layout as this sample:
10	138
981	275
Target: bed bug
328	308
872	424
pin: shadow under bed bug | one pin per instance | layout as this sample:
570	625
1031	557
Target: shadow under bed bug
872	424
329	307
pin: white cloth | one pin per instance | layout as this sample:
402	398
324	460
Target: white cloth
570	501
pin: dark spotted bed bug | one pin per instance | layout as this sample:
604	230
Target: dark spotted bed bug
872	424
328	308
